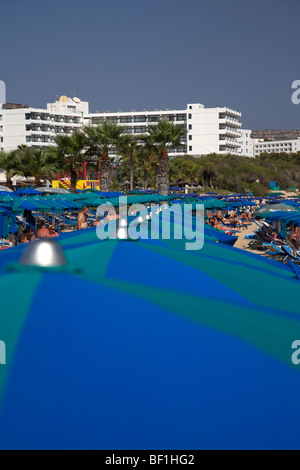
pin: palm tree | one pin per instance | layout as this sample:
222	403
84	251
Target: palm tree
165	135
7	166
146	159
129	148
70	154
99	141
34	162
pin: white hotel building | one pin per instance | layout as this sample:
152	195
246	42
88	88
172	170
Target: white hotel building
246	143
275	146
209	130
36	127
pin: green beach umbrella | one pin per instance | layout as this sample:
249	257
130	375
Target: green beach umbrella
134	345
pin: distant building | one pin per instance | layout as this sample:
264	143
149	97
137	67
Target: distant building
209	130
278	146
36	127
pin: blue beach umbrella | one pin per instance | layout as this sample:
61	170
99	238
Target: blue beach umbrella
145	345
27	192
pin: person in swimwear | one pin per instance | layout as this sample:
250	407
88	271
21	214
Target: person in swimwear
82	218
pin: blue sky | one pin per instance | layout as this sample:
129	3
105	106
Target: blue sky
139	55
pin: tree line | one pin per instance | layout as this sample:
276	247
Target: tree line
146	163
94	144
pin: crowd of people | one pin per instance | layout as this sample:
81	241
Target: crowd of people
82	218
292	233
22	234
229	222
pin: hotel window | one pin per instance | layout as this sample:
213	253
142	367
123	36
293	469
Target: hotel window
139	118
190	137
138	130
126	119
190	116
180	117
153	118
190	148
190	126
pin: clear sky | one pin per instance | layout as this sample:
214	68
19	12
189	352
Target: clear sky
139	55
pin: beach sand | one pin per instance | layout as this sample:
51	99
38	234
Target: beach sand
242	242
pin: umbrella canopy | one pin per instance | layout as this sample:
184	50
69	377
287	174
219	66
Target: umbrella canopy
5	188
7	198
49	190
273	208
275	193
136	345
4	193
214	204
27	192
36	206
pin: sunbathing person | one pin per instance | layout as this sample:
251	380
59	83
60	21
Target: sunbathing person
82	218
27	235
215	223
9	241
43	232
52	232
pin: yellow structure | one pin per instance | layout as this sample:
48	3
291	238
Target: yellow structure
81	184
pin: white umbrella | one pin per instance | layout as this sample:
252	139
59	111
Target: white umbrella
49	190
5	188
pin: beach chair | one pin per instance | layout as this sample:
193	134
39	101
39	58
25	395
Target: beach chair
289	243
275	252
290	254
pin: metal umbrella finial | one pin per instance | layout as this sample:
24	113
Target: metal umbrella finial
44	253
